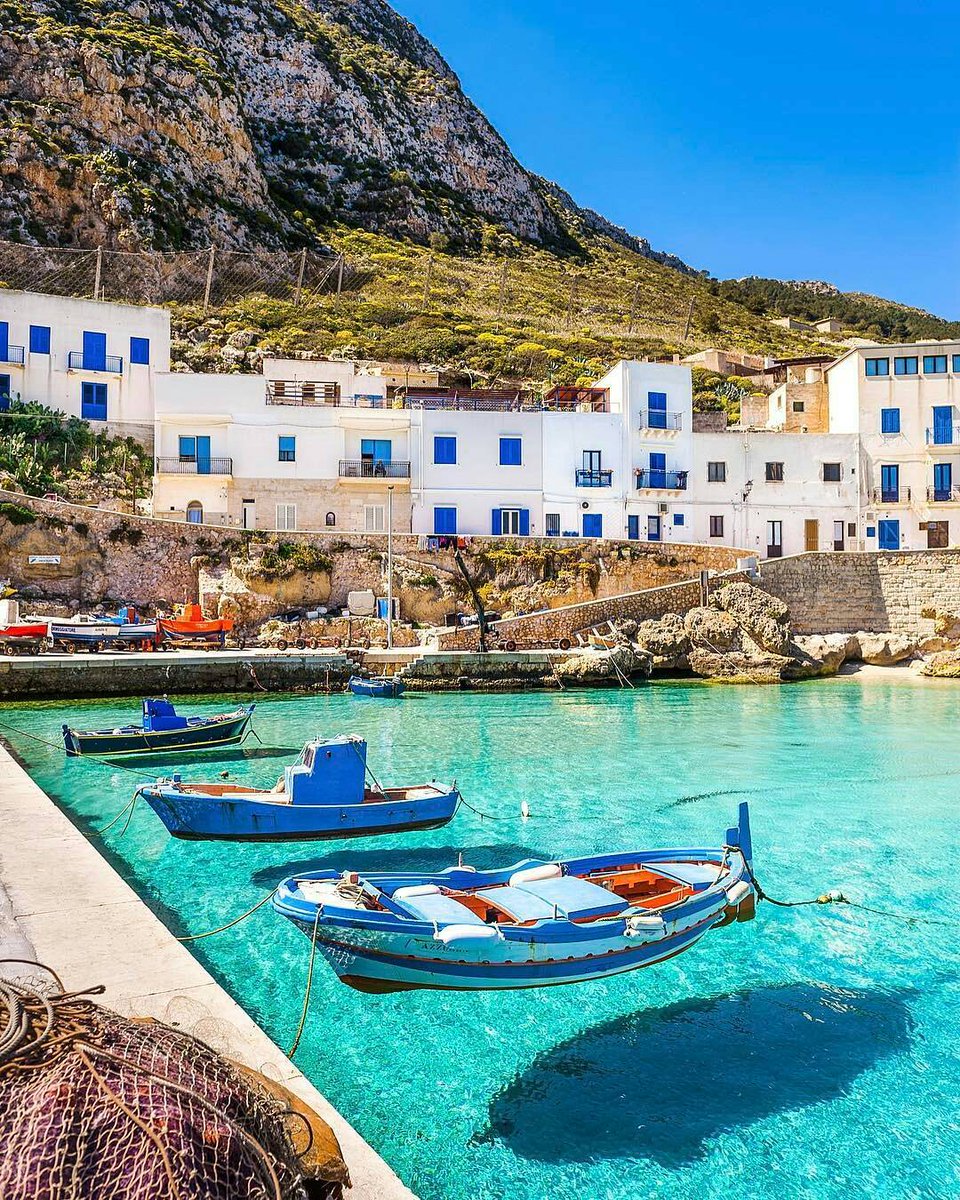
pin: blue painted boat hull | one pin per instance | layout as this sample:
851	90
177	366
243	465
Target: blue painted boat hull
242	817
212	734
379	689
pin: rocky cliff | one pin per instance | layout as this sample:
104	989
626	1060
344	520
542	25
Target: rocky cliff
168	124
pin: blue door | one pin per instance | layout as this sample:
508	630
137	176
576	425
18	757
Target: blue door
942	481
376	449
4	341
658	470
445	521
592	525
94	351
203	456
943	425
890	483
633	529
656	410
4	393
654	529
93	401
889	535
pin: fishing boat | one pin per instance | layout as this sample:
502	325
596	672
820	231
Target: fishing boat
534	924
190	628
162	731
380	686
102	632
325	794
23	636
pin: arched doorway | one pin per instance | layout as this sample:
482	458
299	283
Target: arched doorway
194	513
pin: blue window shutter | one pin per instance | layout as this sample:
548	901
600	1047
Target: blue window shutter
444	520
140	351
4	340
510	452
943	424
657	400
188	449
39	339
592	525
94	351
497	522
942	481
366	447
889	420
658	462
445	450
633	528
524	522
678	519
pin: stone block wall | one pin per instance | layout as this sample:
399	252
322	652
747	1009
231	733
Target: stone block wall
881	592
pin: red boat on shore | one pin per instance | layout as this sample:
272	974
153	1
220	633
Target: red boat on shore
190	628
23	638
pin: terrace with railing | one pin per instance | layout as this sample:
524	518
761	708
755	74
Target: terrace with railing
368	468
302	393
194	466
656	419
897	495
656	480
11	354
594	479
944	495
111	364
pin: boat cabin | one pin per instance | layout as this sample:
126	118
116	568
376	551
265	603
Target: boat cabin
159	716
332	772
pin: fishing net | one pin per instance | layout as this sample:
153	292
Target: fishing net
97	1106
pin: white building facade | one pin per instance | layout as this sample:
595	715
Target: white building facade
85	358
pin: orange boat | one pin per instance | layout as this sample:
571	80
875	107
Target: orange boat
190	626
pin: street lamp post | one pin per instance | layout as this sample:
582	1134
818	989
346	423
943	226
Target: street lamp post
389	568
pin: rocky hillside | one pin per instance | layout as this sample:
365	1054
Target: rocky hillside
251	123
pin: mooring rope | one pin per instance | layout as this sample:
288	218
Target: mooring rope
90	757
524	814
195	937
306	995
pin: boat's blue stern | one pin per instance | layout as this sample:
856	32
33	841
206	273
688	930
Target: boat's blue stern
739	834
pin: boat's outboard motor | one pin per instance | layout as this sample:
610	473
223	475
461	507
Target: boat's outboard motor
331	773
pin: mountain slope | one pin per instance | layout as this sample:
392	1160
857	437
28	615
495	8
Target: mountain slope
254	123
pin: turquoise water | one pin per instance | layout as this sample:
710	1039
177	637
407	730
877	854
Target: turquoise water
812	1053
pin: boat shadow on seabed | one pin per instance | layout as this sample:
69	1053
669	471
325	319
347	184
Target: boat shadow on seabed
660	1083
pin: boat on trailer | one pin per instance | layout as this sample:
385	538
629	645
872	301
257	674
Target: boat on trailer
162	731
325	794
96	633
534	924
381	687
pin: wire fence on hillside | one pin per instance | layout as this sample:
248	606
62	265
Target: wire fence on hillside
542	293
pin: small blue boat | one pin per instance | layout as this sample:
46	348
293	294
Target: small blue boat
380	686
325	794
534	924
163	731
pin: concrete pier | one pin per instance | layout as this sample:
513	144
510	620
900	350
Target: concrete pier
63	904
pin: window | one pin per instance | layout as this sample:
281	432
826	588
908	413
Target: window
39	339
444	520
445	451
552	524
4	393
956	363
194	513
656	410
678	519
832	472
716	526
287	517
288	449
374	518
510	451
877	366
510	521
905	366
934	364
799	406
889	420
775	472
93	401
376	451
716	472
331	520
188	449
140	351
851	529
591	460
889	483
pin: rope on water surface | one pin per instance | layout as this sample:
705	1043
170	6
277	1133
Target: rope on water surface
104	762
195	937
306	995
523	815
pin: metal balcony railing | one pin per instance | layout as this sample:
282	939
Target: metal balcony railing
653	418
201	466
944	435
594	478
303	393
364	468
899	495
948	495
112	364
13	354
672	481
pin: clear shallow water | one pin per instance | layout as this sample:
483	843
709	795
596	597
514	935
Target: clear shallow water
812	1053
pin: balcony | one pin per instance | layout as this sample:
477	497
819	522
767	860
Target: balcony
364	468
944	435
662	481
203	466
303	393
13	355
948	495
593	479
657	421
890	495
112	364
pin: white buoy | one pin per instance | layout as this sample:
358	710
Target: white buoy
525	810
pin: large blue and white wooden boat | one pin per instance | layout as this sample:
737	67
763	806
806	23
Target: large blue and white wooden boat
101	633
530	925
162	731
325	794
381	687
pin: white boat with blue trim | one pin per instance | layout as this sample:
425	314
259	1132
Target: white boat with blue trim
534	924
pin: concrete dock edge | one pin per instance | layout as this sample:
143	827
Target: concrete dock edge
58	894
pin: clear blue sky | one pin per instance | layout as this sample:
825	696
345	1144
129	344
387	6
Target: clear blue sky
750	138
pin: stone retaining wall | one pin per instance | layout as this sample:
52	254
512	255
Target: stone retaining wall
880	593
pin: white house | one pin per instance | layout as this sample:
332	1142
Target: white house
86	358
902	402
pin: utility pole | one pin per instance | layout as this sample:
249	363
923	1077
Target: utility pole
209	288
303	267
98	276
389	568
686	328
